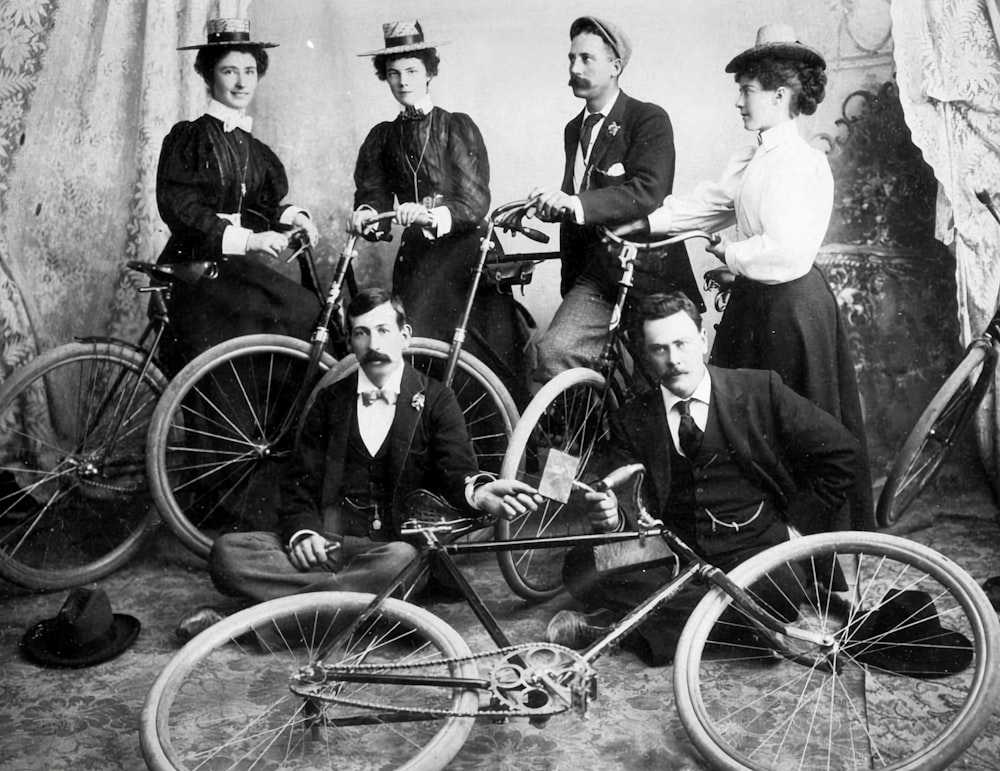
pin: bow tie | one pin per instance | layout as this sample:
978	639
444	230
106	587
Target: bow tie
412	113
244	122
368	398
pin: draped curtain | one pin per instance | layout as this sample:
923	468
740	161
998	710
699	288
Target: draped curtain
948	69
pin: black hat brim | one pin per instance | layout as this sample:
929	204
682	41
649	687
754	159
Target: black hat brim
950	654
45	645
792	51
229	44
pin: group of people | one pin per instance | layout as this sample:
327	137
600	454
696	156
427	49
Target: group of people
780	441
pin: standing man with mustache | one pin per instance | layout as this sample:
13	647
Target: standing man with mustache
733	457
619	165
370	439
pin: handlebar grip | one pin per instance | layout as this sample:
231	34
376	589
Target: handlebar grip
535	235
619	476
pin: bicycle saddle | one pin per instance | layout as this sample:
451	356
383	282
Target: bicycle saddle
187	272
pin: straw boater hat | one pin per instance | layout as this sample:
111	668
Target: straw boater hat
403	37
228	25
778	41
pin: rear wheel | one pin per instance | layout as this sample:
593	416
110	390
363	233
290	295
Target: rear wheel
253	691
914	649
74	502
563	426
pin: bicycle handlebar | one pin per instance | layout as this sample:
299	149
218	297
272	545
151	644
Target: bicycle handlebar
642	246
509	217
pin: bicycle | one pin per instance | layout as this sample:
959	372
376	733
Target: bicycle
945	420
226	422
761	679
567	419
75	503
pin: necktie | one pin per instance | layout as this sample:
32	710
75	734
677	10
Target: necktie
688	432
588	128
368	398
412	113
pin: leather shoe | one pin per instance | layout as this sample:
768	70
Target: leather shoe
196	621
578	630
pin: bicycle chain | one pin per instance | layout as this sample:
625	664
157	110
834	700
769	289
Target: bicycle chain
580	672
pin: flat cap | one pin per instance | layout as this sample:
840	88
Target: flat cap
610	32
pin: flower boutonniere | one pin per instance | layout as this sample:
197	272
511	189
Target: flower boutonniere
418	401
614	128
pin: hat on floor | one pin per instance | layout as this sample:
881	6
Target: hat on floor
402	37
83	633
904	635
778	41
228	25
611	33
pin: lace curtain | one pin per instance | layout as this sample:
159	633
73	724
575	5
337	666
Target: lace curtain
948	68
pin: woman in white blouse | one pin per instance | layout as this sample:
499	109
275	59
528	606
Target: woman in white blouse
781	314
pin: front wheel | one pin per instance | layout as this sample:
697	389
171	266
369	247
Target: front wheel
940	426
564	425
74	502
253	691
906	678
222	435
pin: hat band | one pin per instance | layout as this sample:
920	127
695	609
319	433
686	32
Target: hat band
228	37
404	40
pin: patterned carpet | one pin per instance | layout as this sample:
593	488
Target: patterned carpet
87	719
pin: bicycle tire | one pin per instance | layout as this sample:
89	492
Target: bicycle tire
567	414
212	459
942	424
225	701
75	506
744	709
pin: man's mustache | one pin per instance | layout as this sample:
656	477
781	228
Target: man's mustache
575	81
374	357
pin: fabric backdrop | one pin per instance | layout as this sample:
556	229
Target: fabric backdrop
948	64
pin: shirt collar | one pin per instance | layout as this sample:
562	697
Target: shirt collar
230	117
702	393
779	135
392	385
425	105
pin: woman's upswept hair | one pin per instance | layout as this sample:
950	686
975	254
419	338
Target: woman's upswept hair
429	56
807	82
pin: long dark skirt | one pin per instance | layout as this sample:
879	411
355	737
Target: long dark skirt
796	330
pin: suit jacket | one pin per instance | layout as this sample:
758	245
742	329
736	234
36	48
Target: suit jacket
781	441
429	448
628	174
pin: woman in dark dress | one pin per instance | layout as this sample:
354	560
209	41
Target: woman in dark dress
778	192
219	190
431	167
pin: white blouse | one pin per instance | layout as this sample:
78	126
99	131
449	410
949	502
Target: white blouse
778	194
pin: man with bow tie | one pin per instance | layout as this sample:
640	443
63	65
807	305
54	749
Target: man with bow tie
369	439
619	161
733	458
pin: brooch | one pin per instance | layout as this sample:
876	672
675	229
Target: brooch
614	128
418	401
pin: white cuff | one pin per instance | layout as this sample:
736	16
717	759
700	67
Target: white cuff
442	222
473	482
289	214
234	240
299	536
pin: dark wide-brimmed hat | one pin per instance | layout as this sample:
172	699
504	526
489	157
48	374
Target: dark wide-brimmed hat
83	633
403	37
229	26
904	635
612	34
777	41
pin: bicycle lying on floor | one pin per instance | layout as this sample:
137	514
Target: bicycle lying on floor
897	668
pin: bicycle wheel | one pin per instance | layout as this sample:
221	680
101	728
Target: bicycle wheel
905	691
568	415
74	503
223	702
218	445
940	426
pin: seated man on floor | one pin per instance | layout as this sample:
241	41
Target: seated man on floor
733	457
370	439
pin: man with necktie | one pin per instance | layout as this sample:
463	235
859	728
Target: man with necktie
370	439
619	162
733	459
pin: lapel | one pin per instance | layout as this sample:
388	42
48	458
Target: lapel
572	139
345	405
406	421
729	405
604	139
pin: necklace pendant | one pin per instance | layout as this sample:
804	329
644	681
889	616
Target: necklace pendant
376	523
243	188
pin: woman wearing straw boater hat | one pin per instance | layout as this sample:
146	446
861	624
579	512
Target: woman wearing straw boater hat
219	190
778	192
431	167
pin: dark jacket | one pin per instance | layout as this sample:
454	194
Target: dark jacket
429	449
782	442
638	138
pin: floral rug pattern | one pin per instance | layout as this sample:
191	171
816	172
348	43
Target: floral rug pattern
87	719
